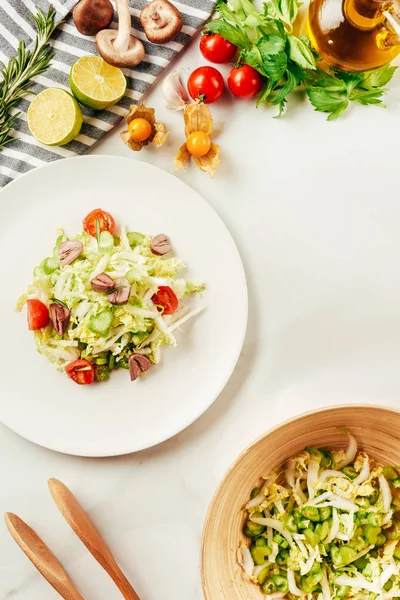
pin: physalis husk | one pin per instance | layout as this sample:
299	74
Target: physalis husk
197	117
158	133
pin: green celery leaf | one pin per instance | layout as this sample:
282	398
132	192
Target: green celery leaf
335	114
253	58
300	53
229	32
367	97
379	77
299	73
289	85
271	44
324	101
274	66
285	10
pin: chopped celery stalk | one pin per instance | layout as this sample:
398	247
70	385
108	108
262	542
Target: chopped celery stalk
263	575
395	483
350	472
261	541
101	361
311	512
260	554
255	491
371	534
342	556
311	537
135	238
360	563
342	591
380	540
100	324
326	460
269	587
101	373
396	552
49	265
390	473
106	242
111	362
282	557
254	530
325	513
137	338
376	519
291	524
280	583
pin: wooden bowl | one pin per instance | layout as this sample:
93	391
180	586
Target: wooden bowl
377	431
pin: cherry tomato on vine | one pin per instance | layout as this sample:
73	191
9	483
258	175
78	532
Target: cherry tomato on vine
206	84
244	82
38	314
166	299
216	49
81	371
106	222
198	143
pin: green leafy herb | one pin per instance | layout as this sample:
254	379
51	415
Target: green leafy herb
98	230
18	73
286	61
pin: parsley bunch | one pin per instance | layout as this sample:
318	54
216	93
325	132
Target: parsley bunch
267	43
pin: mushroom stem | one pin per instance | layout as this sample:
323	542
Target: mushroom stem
121	42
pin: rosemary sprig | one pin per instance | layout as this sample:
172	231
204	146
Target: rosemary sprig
20	70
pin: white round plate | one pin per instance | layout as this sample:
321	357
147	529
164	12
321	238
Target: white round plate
117	417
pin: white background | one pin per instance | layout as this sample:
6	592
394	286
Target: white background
314	208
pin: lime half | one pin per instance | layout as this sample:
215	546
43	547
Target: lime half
95	83
54	117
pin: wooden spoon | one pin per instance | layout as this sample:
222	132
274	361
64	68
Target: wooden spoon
42	558
84	528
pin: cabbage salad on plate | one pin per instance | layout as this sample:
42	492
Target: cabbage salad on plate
103	301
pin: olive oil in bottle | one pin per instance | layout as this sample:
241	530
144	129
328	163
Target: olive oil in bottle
354	35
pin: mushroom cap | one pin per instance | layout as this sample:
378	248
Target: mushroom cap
105	45
90	16
161	21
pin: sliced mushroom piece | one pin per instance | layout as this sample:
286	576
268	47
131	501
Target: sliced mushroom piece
138	364
60	315
103	283
121	292
120	48
161	21
68	251
160	244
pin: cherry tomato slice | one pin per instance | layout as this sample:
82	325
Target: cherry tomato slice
166	299
38	314
216	49
106	221
244	82
81	371
206	84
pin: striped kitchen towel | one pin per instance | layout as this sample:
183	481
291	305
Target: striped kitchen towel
16	24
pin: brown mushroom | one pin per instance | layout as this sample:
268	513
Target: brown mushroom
160	244
121	292
138	364
120	48
91	16
60	315
161	21
68	251
102	283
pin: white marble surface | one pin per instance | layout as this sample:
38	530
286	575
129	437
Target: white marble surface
314	208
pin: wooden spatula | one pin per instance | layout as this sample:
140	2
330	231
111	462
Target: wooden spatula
84	528
40	555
